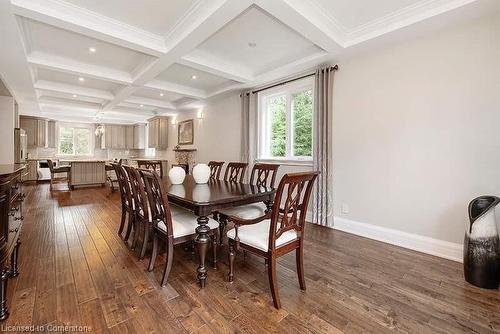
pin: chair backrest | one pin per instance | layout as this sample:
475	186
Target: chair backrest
235	171
51	165
264	175
158	200
154	165
290	205
138	192
123	184
215	169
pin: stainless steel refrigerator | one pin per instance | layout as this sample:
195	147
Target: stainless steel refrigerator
20	146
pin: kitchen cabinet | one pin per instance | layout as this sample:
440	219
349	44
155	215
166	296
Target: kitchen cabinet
51	134
158	132
40	132
30	125
139	136
129	137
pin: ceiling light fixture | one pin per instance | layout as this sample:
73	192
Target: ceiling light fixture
193	77
74	95
161	94
92	49
252	44
81	79
141	105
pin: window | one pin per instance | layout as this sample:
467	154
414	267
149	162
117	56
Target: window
286	122
75	141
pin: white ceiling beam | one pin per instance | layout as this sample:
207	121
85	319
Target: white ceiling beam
291	69
176	88
205	19
60	64
66	102
308	20
150	102
71	89
73	18
200	61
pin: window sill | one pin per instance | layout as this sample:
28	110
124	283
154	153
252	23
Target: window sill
288	162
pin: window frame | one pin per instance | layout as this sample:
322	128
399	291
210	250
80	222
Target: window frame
75	126
264	124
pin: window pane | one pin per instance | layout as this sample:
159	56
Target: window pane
66	141
82	141
276	108
302	108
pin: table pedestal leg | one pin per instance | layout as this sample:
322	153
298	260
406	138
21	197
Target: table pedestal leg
203	240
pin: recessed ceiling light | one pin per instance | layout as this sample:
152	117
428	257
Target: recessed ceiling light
92	49
252	44
81	79
193	77
161	94
141	105
74	95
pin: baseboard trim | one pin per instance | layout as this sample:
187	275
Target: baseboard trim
436	247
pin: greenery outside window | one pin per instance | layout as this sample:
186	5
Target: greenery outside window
75	141
286	122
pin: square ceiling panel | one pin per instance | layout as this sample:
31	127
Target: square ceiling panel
353	13
258	42
155	94
47	39
190	77
154	16
70	79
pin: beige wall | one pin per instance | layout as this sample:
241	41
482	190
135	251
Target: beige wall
7	129
417	131
217	135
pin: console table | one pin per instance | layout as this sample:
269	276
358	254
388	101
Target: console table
11	221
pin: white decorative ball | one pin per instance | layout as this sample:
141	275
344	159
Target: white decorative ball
201	173
177	175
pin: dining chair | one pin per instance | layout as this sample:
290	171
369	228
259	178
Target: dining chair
235	171
112	179
263	175
155	165
215	169
127	202
142	214
278	232
59	170
172	227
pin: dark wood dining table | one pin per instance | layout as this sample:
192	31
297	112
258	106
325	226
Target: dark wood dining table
205	199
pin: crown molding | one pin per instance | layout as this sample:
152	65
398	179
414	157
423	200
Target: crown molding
402	18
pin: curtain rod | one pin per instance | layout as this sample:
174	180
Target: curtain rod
332	68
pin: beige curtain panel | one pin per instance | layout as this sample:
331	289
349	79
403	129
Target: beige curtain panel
322	147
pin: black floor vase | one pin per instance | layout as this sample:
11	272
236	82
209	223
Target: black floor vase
482	244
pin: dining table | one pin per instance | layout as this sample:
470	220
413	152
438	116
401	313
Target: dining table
205	199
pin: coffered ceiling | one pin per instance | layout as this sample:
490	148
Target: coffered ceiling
127	60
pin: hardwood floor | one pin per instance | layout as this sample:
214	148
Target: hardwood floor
75	270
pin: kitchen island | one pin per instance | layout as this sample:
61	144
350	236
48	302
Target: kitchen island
87	172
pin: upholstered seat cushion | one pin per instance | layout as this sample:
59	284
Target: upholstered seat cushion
61	169
249	211
257	235
184	223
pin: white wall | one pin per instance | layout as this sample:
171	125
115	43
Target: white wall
7	129
417	131
217	136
